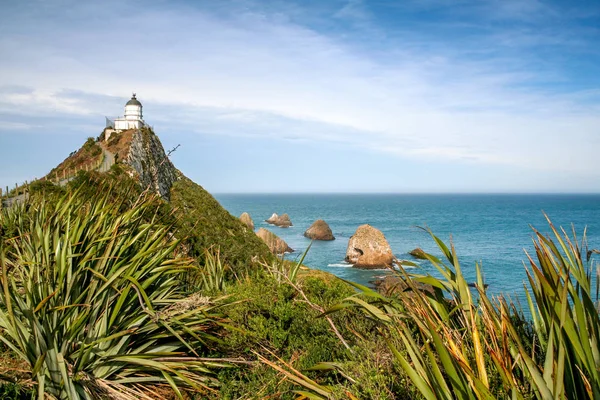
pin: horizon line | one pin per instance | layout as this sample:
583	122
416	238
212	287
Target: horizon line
411	193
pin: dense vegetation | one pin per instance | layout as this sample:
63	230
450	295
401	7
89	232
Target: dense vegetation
109	292
205	223
455	342
99	299
91	300
198	218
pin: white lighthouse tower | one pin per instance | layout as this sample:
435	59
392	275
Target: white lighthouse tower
133	116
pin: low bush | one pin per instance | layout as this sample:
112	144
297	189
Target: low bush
280	320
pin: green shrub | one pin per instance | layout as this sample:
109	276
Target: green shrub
204	223
90	297
45	187
273	319
14	391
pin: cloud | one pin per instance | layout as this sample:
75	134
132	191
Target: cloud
249	71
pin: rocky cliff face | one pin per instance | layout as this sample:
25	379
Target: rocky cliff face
148	159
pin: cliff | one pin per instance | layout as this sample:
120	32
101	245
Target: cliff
148	159
142	151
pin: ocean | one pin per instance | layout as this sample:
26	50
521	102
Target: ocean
493	230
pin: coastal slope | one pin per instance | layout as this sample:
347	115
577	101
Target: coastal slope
134	161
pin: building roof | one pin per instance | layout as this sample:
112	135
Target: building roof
133	101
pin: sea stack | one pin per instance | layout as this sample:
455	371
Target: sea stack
282	221
247	220
274	242
272	219
369	249
319	230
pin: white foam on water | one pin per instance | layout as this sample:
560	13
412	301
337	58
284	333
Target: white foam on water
342	265
398	266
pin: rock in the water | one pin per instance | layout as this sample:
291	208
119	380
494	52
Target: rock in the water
282	221
272	218
418	253
247	220
319	230
369	249
274	242
392	285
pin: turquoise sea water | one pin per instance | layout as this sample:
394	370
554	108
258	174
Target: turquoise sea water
491	229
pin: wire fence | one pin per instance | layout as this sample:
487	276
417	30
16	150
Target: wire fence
21	192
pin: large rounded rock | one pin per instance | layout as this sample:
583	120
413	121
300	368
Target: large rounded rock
319	230
274	242
369	249
247	220
282	221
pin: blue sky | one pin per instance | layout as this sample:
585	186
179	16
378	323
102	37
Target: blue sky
314	96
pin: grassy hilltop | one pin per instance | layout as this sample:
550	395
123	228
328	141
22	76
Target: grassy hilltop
130	281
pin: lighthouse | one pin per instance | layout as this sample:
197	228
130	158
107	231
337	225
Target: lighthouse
133	116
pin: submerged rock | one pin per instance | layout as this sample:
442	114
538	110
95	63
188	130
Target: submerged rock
273	242
247	220
282	221
392	285
418	253
369	249
319	230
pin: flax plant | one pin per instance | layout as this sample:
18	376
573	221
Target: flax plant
454	341
283	270
90	297
209	277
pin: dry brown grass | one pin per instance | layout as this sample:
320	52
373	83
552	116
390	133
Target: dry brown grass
86	158
14	370
119	143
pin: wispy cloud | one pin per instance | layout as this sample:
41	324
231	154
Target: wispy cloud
247	70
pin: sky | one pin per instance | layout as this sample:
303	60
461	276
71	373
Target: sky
421	96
